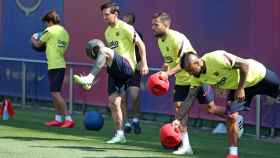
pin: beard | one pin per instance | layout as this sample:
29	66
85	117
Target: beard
159	35
197	75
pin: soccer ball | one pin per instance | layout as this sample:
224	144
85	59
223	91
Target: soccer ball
93	121
157	85
170	136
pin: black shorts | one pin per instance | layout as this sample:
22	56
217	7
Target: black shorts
205	94
120	72
56	77
136	80
268	86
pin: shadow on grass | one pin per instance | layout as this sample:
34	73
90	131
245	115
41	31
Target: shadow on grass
34	119
102	149
82	148
36	139
91	148
127	157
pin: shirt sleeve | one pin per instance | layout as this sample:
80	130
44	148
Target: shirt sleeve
130	33
230	59
45	36
184	46
222	59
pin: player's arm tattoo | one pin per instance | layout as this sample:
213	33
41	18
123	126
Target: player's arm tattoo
175	70
99	64
187	103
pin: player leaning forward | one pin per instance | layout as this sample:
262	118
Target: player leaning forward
121	38
244	78
172	45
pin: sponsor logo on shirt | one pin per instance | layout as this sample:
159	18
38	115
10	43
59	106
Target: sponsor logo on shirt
221	82
114	44
168	59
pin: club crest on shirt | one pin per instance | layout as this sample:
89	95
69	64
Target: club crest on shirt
167	49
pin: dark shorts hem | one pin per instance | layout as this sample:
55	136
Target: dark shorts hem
56	77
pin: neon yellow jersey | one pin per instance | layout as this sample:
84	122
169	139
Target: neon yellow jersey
221	74
57	41
121	38
171	48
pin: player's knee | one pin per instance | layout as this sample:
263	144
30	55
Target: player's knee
111	101
114	101
211	108
177	106
231	119
55	94
112	106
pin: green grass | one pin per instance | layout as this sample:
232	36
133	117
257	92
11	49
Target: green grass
25	137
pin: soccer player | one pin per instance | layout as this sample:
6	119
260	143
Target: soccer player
56	39
121	37
244	78
172	44
119	70
133	90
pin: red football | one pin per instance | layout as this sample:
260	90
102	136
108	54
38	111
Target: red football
157	84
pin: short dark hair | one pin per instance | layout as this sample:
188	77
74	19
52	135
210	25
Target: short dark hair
51	16
131	17
185	57
163	16
113	6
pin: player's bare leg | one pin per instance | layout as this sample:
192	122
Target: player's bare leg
185	148
115	105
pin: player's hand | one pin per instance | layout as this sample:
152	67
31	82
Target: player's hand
176	123
35	36
163	75
239	94
165	67
144	69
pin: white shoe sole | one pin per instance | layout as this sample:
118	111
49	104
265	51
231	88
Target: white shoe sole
177	152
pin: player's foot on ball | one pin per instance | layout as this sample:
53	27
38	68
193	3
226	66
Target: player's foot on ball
232	156
136	127
68	124
53	123
84	81
117	139
183	150
240	125
127	128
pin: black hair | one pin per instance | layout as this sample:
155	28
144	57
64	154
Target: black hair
113	6
163	16
51	16
184	58
131	17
